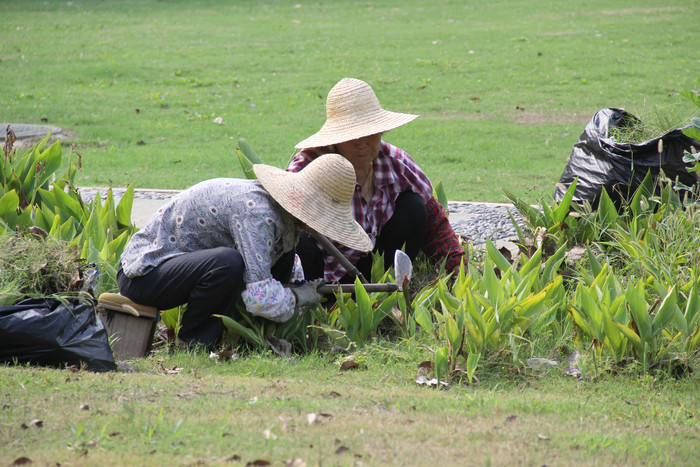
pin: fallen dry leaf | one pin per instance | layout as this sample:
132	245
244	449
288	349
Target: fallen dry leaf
423	381
174	371
334	394
342	450
398	315
258	462
281	347
296	462
227	354
348	365
511	418
542	437
425	368
36	423
22	461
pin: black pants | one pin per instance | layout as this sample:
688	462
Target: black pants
407	226
209	281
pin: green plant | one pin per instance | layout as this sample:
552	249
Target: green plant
694	130
245	329
595	307
628	321
33	195
567	223
359	318
480	312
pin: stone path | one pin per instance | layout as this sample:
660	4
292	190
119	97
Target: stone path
475	221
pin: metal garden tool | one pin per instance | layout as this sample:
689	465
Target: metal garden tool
403	269
330	248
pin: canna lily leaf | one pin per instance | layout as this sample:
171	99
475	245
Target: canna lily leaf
382	311
364	308
246	165
551	266
607	213
454	335
423	318
532	215
472	362
633	338
242	331
534	262
665	313
441	197
441	363
65	202
561	211
248	151
125	206
9	204
644	191
499	260
639	310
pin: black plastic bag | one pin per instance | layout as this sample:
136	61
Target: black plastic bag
54	333
599	162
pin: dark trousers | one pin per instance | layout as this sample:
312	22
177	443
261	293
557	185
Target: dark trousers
408	227
209	281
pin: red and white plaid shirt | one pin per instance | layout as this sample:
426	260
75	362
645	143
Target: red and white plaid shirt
394	173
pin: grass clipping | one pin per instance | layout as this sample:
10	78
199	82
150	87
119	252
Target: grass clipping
33	266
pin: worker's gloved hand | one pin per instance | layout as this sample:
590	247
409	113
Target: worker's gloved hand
306	293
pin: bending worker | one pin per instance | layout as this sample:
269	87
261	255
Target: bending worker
225	238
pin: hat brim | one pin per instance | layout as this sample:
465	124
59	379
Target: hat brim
312	207
334	132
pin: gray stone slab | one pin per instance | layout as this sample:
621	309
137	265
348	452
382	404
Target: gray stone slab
472	220
25	130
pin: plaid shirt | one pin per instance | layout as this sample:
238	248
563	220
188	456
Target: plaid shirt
394	173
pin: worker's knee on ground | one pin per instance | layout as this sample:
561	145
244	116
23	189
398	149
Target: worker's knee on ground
407	227
412	209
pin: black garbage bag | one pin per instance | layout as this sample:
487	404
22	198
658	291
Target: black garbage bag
601	163
54	333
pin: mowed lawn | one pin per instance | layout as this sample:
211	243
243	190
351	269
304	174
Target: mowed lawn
504	88
185	409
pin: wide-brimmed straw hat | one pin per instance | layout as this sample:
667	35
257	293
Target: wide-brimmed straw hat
353	111
320	196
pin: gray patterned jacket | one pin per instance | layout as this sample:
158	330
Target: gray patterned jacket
219	212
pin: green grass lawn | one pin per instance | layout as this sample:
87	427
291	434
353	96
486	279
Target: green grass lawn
185	409
504	89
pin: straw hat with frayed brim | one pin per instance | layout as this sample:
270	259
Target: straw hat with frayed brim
353	111
320	196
